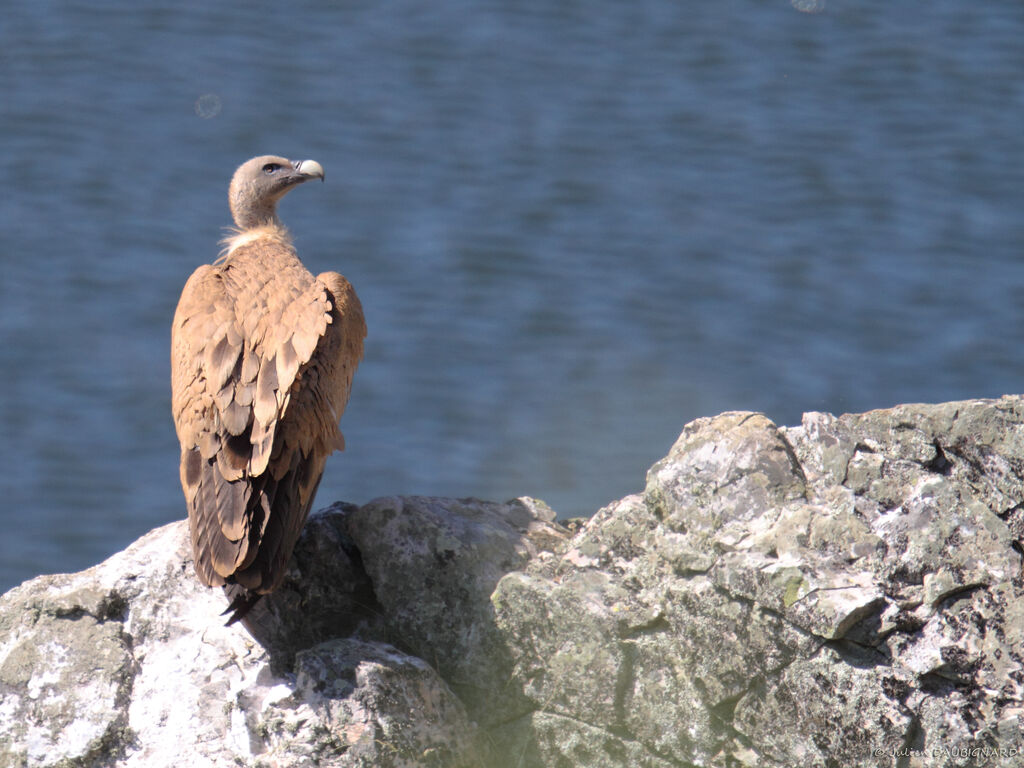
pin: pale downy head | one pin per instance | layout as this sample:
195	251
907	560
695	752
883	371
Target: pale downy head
259	183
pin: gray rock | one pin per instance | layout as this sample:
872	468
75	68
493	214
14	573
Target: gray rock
129	664
845	592
434	564
356	703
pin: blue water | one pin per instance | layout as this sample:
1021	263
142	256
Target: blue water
574	227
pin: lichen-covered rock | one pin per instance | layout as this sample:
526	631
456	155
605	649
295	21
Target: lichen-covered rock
129	664
847	592
65	678
434	564
835	708
353	703
555	741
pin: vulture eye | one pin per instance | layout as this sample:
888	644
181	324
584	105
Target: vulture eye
271	167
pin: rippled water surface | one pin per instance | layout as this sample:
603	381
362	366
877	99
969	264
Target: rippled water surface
574	227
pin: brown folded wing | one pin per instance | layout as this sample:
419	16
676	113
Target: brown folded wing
262	360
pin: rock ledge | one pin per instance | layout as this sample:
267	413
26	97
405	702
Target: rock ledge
843	593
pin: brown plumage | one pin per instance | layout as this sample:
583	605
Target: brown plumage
262	358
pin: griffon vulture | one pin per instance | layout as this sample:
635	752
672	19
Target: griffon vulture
262	358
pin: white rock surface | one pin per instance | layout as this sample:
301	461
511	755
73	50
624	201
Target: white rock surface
129	664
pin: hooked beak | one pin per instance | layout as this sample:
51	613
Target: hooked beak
309	169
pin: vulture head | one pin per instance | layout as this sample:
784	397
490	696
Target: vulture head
259	183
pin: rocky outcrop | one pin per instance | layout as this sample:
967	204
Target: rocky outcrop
843	593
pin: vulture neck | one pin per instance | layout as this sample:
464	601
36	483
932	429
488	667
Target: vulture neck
251	208
257	215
